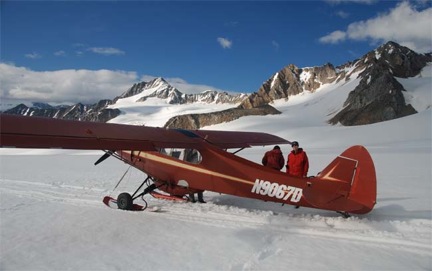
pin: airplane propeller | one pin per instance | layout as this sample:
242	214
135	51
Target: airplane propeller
104	157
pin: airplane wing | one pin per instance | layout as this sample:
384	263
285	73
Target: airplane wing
231	139
34	132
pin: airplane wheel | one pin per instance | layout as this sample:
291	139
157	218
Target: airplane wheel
124	201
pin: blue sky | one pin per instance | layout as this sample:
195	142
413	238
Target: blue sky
64	51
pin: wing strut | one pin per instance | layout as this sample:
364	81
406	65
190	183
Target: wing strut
239	150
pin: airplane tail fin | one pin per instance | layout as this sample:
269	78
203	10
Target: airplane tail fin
354	171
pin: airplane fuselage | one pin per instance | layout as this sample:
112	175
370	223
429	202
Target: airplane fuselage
223	172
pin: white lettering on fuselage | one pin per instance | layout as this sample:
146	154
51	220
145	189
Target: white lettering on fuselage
280	191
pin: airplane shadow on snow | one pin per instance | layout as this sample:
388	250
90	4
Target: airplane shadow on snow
379	213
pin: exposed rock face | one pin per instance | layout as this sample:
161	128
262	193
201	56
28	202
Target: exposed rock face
372	102
289	81
400	60
318	76
379	95
197	121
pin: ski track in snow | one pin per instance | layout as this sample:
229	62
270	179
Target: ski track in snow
353	229
411	236
74	195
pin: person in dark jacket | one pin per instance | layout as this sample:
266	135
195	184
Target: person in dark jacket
274	158
193	156
297	161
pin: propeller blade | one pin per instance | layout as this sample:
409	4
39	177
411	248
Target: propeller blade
104	157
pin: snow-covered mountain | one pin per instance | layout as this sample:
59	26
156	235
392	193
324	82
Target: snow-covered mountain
159	88
375	94
372	85
139	95
378	96
95	112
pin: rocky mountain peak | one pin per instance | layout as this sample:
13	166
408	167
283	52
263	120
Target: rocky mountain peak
157	82
290	81
154	85
379	96
399	60
42	105
161	89
402	61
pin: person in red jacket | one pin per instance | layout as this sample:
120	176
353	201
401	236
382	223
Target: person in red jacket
297	161
274	158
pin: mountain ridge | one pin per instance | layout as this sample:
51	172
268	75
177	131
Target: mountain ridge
378	96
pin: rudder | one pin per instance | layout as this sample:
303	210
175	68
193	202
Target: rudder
363	189
355	171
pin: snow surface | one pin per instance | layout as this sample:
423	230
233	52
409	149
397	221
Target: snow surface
52	217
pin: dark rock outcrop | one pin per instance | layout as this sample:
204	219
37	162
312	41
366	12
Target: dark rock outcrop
379	96
290	81
197	121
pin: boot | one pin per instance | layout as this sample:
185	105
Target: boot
192	198
200	197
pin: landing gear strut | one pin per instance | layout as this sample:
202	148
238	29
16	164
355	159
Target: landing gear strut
125	200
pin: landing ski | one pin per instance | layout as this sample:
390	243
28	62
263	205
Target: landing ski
158	195
344	214
112	203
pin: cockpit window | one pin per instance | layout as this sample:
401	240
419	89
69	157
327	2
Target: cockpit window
189	155
187	133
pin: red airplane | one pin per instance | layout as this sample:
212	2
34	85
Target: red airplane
179	162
